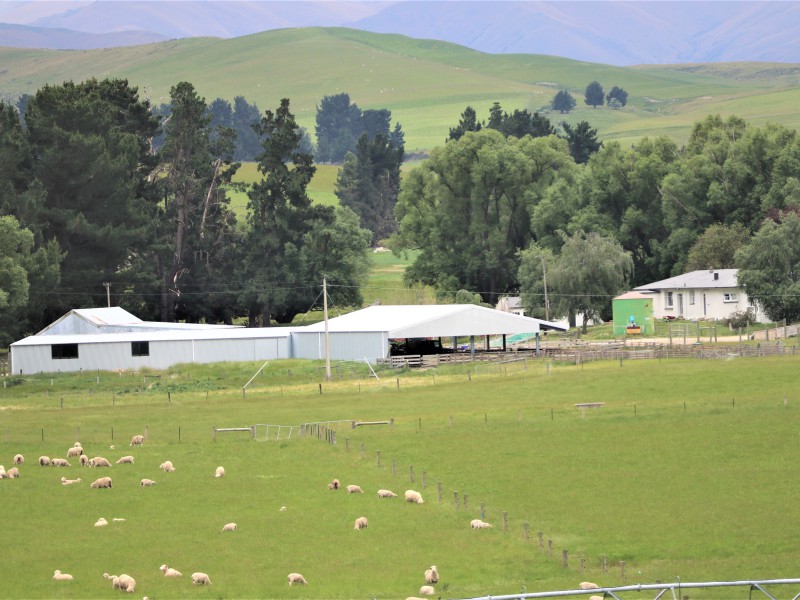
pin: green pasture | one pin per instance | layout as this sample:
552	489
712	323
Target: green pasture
688	471
425	83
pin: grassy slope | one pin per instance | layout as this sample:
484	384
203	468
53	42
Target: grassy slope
425	83
672	476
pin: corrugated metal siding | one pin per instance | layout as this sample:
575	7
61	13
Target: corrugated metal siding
343	346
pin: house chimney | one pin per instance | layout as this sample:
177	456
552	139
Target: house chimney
716	276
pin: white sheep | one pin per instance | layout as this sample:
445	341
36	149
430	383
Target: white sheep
74	451
44	461
76	445
13	473
588	585
432	575
478	524
99	461
595	597
137	440
220	472
19	459
102	482
169	571
386	494
334	485
229	527
101	522
354	489
65	481
117	519
167	466
59	462
125	460
84	460
427	590
126	583
146	482
413	496
59	576
200	579
296	578
361	523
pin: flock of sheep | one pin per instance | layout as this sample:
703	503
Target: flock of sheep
123	582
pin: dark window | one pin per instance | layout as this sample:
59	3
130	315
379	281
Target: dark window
64	351
140	348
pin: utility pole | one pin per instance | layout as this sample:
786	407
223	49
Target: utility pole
327	344
108	292
546	301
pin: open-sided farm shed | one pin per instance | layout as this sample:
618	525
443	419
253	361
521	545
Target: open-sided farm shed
363	334
368	333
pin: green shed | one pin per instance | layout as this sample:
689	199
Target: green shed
633	314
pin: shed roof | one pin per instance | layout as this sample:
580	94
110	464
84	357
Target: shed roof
117	317
432	320
633	295
725	278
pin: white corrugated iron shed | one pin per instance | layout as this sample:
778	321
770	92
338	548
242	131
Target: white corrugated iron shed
112	319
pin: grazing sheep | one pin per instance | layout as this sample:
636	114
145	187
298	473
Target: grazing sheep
229	527
59	462
146	482
125	460
59	576
137	440
361	523
126	583
220	472
200	579
413	598
334	485
427	590
19	459
44	461
103	482
74	451
99	461
76	445
595	597
354	489
84	460
169	571
297	578
13	473
478	524
117	519
432	575
283	509
167	466
101	522
415	497
65	481
588	585
386	494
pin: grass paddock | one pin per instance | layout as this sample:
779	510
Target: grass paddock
686	471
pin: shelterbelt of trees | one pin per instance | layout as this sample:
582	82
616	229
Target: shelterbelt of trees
98	188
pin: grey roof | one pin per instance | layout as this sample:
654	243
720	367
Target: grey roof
117	319
726	278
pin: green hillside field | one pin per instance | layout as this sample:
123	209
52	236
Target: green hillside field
426	84
687	471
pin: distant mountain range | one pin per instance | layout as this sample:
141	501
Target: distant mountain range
604	31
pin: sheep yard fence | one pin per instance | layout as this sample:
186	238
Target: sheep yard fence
676	590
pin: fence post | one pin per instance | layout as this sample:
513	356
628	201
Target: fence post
525	528
455	499
411	473
440	483
622	570
424	479
394	467
564	559
213	434
379	458
505	521
541	540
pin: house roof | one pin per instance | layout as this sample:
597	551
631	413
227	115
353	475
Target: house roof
432	320
726	278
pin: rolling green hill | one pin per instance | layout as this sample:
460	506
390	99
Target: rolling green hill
426	84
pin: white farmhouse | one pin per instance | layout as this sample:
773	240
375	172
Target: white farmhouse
708	294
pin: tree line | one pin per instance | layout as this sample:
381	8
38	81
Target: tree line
88	199
495	214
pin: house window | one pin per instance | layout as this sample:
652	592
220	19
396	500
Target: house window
668	303
691	296
730	297
140	348
59	351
